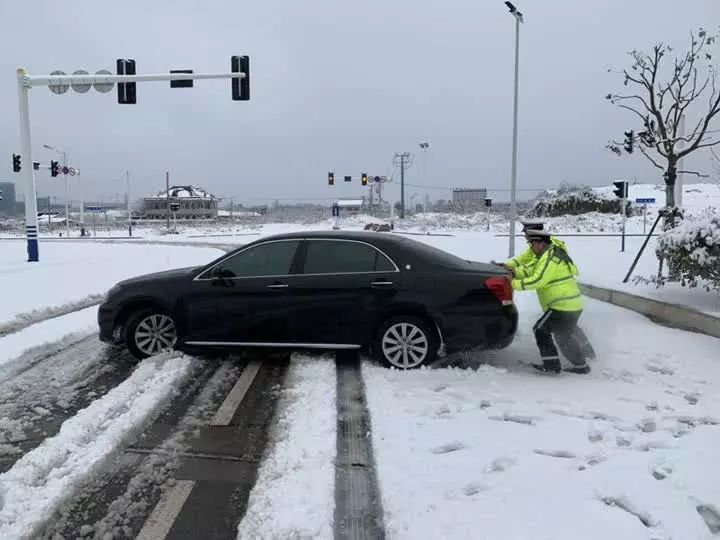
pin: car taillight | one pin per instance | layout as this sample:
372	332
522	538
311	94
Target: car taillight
501	288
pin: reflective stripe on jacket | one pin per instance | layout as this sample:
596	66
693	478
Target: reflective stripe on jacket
553	276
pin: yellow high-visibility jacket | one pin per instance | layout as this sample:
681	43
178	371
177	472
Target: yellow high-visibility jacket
553	274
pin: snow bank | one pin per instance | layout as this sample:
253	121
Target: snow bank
294	493
32	490
44	338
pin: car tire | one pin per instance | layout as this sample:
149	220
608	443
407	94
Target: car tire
149	332
405	342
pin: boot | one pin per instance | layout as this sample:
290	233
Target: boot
549	366
579	370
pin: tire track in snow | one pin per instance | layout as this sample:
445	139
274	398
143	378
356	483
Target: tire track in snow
52	387
38	483
117	500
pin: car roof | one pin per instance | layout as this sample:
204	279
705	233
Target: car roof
366	236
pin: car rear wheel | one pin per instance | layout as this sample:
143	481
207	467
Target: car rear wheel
405	342
150	332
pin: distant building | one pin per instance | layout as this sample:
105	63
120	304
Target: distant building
195	203
469	198
8	202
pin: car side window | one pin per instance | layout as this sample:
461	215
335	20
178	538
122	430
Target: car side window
271	259
337	256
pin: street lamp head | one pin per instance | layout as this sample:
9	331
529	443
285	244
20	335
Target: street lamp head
513	10
48	147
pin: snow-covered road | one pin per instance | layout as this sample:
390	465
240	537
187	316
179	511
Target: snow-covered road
499	451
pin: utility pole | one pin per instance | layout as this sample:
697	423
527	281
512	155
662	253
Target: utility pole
167	196
679	179
402	159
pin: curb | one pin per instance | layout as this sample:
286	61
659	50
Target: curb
665	313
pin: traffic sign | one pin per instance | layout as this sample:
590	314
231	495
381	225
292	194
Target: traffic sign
72	171
650	200
81	86
58	87
377	179
65	170
103	87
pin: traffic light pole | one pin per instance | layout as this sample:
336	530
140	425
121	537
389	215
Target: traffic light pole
27	81
31	218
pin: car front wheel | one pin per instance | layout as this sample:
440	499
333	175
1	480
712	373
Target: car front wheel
150	332
405	342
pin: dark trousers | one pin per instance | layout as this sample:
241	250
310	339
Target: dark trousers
562	326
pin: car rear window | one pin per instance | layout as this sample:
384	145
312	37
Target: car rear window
342	256
434	255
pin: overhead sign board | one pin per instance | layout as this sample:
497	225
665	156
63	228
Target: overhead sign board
649	200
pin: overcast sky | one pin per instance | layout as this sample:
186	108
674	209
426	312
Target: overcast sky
336	85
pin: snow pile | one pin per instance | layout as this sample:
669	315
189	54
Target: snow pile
32	490
694	248
294	493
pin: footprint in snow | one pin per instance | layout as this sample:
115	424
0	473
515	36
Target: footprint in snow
501	464
449	447
662	370
518	419
556	453
473	488
661	472
595	435
710	516
692	398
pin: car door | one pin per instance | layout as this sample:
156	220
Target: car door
250	291
342	286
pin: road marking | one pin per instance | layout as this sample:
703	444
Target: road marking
168	508
161	520
227	410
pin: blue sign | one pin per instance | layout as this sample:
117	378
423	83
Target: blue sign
645	201
336	210
95	209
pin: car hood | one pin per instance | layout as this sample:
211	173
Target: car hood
167	274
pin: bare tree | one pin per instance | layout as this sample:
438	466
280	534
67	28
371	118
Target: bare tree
661	90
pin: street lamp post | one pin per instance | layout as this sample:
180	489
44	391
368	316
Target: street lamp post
513	181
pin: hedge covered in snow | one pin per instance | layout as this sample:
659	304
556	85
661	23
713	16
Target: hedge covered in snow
693	248
573	200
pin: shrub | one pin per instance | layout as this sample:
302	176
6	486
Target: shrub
693	249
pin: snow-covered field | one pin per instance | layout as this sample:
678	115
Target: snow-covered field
70	271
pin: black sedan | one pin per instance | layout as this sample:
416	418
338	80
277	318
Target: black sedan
401	300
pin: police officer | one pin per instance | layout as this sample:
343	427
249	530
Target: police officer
552	273
527	260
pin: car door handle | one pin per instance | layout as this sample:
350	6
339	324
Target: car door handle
381	283
278	286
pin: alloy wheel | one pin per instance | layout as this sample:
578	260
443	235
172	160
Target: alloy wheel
405	345
155	334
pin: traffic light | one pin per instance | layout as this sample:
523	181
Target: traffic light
364	179
621	189
54	168
126	91
17	165
629	140
331	179
240	87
